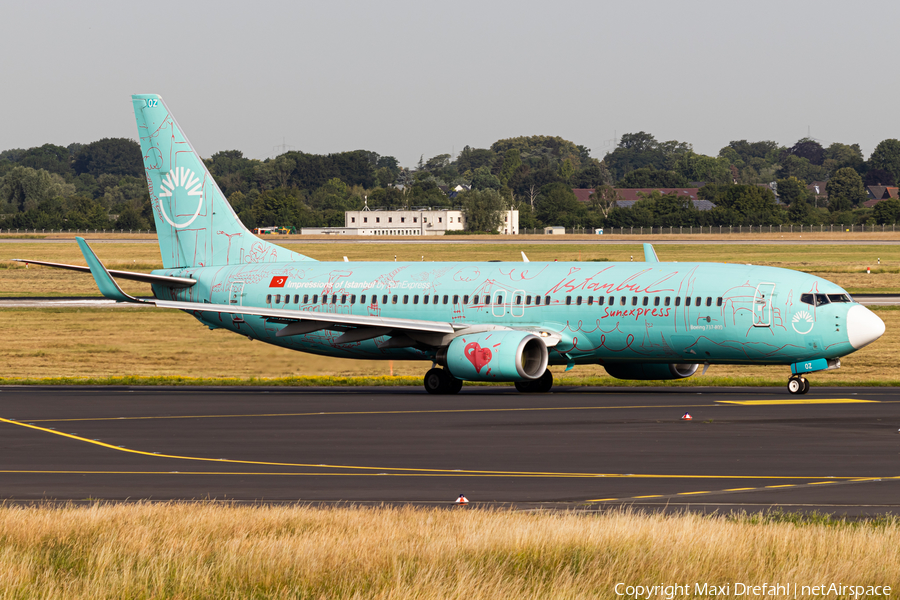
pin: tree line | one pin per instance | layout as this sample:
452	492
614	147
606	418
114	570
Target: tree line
101	185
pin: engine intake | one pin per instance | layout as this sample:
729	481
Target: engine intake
645	371
501	355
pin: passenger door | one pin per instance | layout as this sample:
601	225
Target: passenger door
762	305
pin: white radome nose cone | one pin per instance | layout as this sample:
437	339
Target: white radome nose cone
863	326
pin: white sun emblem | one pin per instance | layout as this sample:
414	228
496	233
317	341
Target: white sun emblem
804	319
181	177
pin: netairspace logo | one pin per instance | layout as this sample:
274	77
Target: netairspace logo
784	590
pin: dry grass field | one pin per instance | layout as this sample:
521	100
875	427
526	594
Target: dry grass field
149	342
213	551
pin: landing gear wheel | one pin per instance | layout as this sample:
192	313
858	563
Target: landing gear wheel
543	383
436	381
526	387
795	385
805	385
454	385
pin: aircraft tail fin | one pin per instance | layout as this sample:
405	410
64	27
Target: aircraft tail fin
195	223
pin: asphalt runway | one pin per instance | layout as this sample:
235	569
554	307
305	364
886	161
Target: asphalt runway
834	450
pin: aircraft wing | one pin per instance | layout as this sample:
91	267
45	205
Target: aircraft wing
176	282
374	326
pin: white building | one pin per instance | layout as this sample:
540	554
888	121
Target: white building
418	221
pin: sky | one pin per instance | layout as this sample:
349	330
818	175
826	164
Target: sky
410	79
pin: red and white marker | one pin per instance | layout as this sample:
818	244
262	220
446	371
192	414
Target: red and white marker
462	499
686	417
868	271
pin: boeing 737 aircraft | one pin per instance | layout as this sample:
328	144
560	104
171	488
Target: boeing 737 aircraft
475	321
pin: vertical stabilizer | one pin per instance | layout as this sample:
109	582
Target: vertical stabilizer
195	223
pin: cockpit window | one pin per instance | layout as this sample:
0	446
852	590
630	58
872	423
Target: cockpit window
821	299
839	298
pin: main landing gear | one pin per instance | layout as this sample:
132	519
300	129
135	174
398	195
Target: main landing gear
541	385
798	385
440	381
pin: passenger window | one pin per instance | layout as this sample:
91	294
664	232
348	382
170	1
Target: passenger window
568	300
677	301
435	299
269	299
487	300
447	298
305	298
634	300
537	300
466	299
600	300
455	299
394	299
424	299
315	299
352	298
519	300
343	298
667	301
622	301
334	298
708	301
697	301
277	298
415	299
656	301
590	300
499	300
384	299
405	299
718	302
547	300
687	301
528	300
646	300
362	299
287	298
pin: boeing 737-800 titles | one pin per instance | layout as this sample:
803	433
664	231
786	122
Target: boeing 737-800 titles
475	321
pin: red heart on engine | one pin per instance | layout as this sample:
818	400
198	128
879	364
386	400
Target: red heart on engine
478	356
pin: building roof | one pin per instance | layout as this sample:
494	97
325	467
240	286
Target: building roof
877	193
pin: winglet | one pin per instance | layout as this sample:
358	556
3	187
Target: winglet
108	287
524	258
650	253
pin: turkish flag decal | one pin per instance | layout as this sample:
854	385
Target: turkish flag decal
278	281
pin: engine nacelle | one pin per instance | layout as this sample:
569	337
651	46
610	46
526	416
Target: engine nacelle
651	370
500	355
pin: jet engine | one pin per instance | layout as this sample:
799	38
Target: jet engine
498	355
651	370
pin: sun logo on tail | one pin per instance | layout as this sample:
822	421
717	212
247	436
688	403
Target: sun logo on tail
184	178
805	320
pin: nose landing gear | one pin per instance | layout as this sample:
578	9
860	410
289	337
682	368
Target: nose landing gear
798	385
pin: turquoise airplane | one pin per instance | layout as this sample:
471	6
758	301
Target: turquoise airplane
474	321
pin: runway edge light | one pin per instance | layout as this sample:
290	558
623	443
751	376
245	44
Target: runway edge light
686	417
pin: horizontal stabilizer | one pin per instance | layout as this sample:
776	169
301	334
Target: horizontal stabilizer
175	282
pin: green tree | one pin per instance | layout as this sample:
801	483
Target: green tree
512	161
845	190
887	211
648	177
23	188
747	205
886	156
603	199
698	167
115	156
483	208
791	190
482	179
566	170
557	205
838	156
